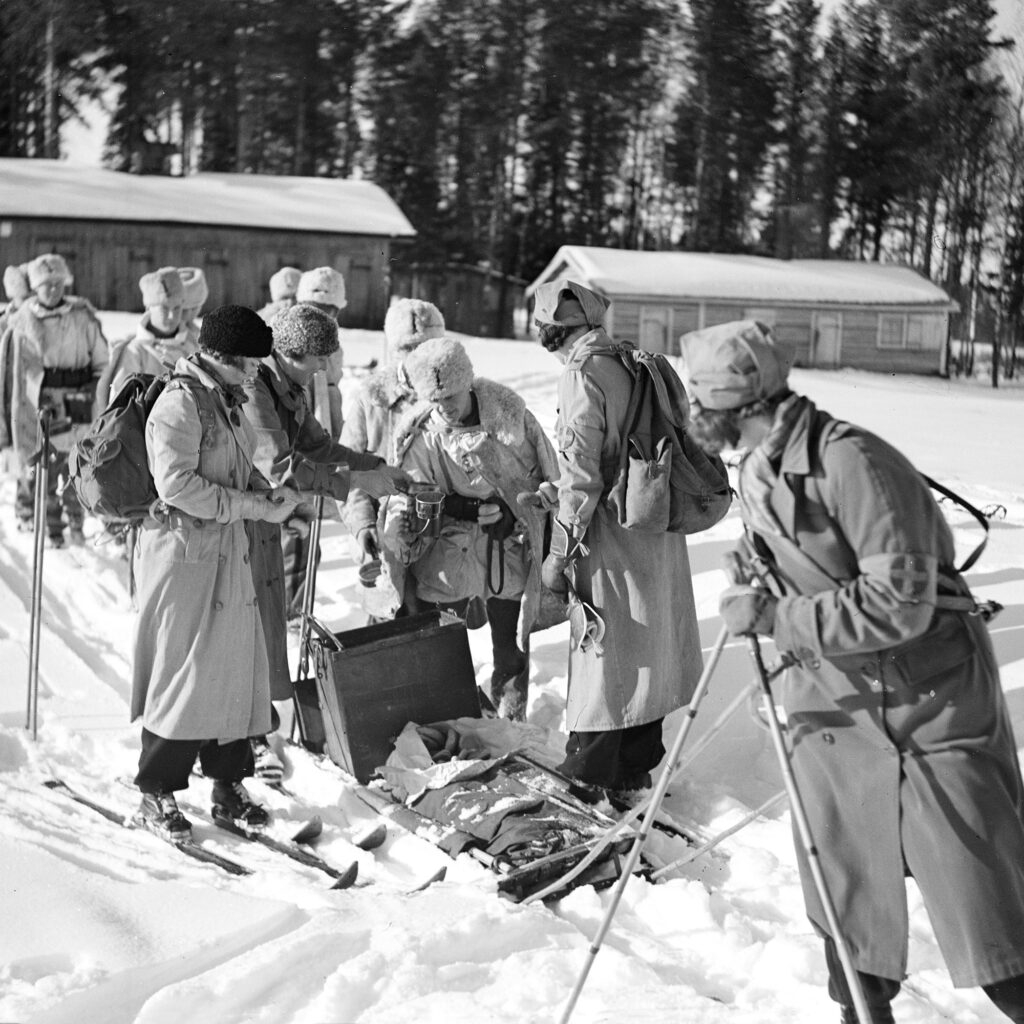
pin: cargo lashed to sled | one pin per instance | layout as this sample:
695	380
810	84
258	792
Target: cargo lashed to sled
372	682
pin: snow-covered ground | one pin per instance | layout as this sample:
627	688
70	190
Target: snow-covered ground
102	924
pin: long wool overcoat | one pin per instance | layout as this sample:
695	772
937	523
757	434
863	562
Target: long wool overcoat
639	583
200	667
292	450
901	742
506	453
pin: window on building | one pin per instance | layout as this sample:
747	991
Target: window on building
892	331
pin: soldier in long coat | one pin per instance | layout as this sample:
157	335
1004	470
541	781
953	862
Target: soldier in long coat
293	450
900	739
200	679
646	665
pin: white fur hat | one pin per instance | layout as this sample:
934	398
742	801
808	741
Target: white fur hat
438	369
197	291
410	322
48	267
284	283
163	285
324	285
16	284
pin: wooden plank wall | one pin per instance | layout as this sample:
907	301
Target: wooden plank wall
108	258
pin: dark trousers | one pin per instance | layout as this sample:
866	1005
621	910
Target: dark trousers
1008	995
56	507
615	758
165	765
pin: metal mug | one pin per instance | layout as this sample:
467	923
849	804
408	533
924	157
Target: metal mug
428	507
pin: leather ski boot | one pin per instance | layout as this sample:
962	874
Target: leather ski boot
232	801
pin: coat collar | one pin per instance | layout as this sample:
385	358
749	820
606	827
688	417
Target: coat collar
584	347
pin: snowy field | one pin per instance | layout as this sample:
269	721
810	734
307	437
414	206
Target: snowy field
104	925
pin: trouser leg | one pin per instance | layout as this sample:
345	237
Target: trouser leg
1008	996
511	665
227	762
593	757
640	752
165	765
878	992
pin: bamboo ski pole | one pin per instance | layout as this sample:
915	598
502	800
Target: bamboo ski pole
42	486
806	839
721	837
648	820
308	597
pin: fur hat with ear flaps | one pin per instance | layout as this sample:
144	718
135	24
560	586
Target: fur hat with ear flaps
48	267
323	285
163	285
439	368
408	323
283	283
16	284
304	330
197	291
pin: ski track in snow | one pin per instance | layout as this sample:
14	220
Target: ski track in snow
107	924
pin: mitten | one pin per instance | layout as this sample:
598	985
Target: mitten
748	610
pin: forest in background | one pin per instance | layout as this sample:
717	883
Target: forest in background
889	130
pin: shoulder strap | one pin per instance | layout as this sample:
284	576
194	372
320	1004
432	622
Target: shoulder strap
967	507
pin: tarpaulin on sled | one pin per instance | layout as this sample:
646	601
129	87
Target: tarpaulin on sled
498	803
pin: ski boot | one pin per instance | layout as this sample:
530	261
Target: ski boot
231	802
159	813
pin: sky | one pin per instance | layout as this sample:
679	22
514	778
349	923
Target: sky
105	925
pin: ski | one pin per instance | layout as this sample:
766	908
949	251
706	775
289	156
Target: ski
189	847
292	848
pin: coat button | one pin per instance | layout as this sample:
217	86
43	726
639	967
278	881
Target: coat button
197	523
222	559
217	605
828	737
245	558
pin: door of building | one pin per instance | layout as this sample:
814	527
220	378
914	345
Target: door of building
828	334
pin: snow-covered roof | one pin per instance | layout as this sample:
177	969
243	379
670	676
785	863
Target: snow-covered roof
751	279
61	189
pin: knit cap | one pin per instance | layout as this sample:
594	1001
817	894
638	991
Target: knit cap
324	285
16	284
734	364
163	285
197	291
284	283
304	330
438	369
408	323
236	331
48	267
568	304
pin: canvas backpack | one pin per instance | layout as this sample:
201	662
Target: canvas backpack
108	466
664	481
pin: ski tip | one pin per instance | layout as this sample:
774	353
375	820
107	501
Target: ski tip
347	877
310	830
437	876
372	837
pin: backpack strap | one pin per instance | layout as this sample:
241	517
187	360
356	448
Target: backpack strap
968	507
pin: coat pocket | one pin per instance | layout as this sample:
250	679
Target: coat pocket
946	645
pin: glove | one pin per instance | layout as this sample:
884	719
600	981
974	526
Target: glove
552	574
736	568
748	610
366	538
